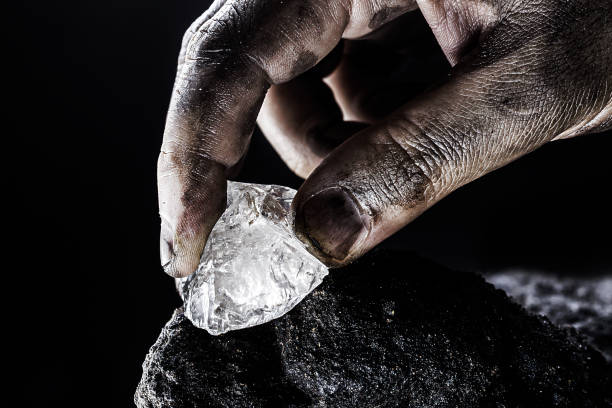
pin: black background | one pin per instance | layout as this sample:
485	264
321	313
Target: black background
89	93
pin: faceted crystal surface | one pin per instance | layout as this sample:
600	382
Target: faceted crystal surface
253	268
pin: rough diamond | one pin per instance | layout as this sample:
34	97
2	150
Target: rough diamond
253	269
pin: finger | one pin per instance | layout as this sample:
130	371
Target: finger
490	112
383	70
302	120
303	123
229	63
195	27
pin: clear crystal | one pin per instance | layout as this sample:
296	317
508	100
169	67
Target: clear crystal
253	269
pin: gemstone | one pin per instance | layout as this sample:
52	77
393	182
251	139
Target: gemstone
253	268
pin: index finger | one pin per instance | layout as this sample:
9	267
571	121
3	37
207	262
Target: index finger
226	68
235	53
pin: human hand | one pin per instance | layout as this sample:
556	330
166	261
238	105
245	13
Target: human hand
524	73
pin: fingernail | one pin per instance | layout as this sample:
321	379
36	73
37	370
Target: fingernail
333	222
172	263
165	253
166	249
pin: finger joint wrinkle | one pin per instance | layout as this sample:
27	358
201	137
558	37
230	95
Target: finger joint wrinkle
414	169
419	139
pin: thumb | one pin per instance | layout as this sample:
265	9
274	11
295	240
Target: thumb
387	175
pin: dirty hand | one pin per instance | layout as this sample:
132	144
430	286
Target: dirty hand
524	73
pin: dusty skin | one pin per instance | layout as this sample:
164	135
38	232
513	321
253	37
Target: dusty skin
374	155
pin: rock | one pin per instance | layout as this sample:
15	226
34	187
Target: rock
388	331
569	301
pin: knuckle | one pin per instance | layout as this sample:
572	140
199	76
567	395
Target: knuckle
418	142
214	39
226	41
390	173
428	156
198	23
188	34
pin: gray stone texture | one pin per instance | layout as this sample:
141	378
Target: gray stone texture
389	331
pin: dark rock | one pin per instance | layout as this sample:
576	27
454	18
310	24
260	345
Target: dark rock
584	303
389	331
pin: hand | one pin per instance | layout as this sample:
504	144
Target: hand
524	73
